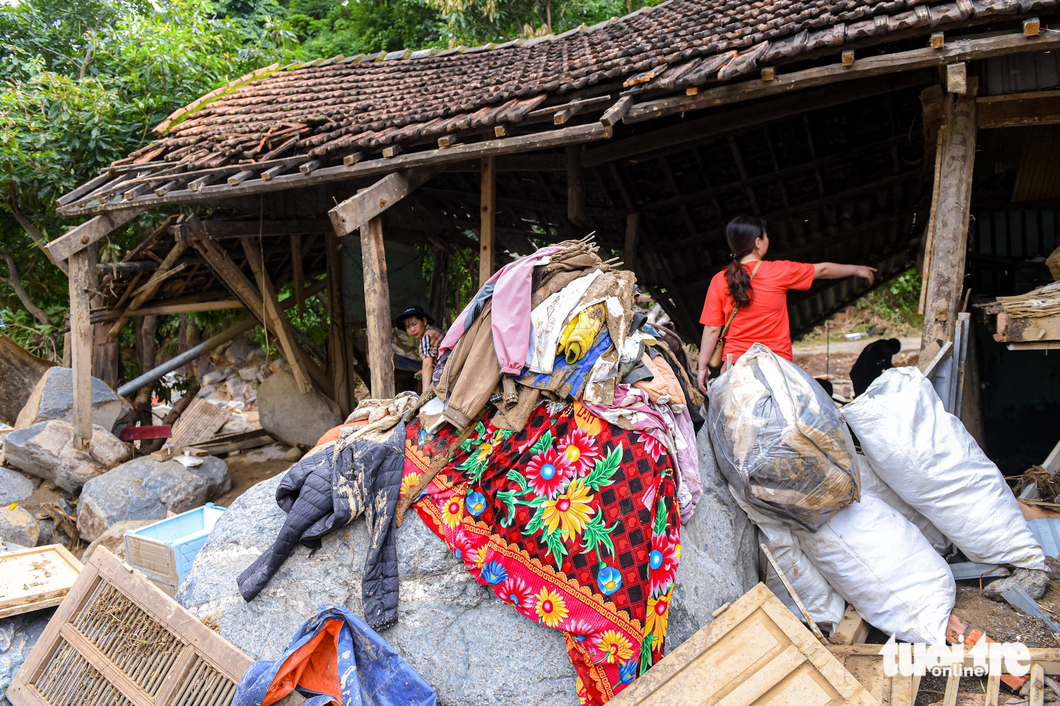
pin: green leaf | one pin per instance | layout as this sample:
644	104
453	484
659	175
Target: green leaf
605	469
508	498
554	542
660	518
536	522
543	443
645	655
517	478
596	532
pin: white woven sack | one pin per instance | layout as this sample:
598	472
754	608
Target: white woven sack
882	564
929	459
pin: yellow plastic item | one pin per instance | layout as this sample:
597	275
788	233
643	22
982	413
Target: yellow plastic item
577	337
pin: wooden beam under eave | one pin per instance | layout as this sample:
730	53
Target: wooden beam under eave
275	315
945	277
488	218
377	310
1039	108
81	271
80	237
353	213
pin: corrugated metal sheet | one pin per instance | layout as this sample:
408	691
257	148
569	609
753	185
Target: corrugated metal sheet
1018	73
1038	177
1047	530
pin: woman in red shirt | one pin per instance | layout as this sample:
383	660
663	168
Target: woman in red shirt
763	314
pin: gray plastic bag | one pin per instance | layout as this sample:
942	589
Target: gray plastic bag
779	440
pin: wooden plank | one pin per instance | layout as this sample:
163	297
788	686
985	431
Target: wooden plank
377	309
165	309
852	629
953	685
952	210
993	690
1039	108
37	578
81	281
488	216
80	237
169	265
199	422
353	213
297	273
275	314
575	185
1027	329
339	341
370	168
1036	695
953	52
755	648
22	372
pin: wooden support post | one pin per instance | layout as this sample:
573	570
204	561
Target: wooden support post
629	250
340	343
575	186
81	270
488	214
299	276
377	309
275	315
945	279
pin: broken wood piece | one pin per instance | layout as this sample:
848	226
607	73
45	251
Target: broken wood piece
1036	692
199	422
355	212
852	629
613	115
36	578
794	596
274	314
953	686
755	649
85	650
939	357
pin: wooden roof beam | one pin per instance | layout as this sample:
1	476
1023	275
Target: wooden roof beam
926	58
356	211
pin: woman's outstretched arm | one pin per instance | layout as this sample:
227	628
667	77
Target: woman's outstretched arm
832	270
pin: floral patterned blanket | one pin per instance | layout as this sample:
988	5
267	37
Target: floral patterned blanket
572	521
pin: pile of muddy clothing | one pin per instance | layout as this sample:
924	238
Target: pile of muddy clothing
559	326
556	456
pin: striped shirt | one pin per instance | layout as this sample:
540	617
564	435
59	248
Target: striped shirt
430	342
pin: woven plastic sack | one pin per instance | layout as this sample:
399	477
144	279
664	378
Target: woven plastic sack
779	440
883	565
823	604
871	484
928	457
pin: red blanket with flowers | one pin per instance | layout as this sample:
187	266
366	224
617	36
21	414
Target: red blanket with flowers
573	522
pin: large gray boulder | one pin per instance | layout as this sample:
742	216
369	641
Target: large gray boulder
215	472
294	418
444	615
53	398
47	450
14	487
141	489
18	635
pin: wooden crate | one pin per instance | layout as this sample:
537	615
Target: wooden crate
37	578
755	652
117	640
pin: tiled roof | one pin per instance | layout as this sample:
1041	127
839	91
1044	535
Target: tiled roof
330	108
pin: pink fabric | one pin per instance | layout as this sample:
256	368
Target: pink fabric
513	287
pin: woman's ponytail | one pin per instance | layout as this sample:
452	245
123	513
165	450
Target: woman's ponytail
741	234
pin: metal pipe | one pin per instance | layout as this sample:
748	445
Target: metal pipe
187	356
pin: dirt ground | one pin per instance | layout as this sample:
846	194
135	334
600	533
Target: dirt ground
838	358
251	467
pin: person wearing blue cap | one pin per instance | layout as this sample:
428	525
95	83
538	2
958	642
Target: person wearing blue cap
419	324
